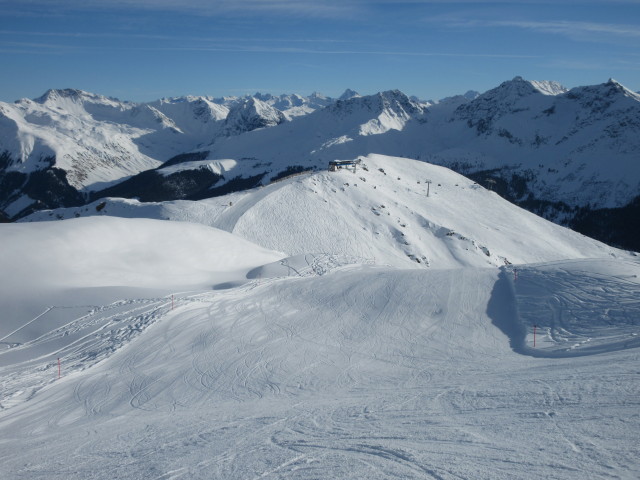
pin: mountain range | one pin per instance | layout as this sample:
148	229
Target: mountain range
569	155
266	317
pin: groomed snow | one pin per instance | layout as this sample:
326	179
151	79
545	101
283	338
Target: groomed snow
361	373
65	283
187	352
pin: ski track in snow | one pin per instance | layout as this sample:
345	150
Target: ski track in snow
331	360
578	310
363	372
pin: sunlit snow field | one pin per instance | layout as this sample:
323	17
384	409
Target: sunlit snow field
188	352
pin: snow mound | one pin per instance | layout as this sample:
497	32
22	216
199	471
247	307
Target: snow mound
137	253
65	283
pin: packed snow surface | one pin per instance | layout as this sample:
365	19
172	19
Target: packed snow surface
188	352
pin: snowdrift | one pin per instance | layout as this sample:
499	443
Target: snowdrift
110	251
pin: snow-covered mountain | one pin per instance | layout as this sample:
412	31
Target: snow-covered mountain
57	148
87	141
535	139
377	326
560	138
195	116
291	105
295	105
348	94
569	155
393	211
251	114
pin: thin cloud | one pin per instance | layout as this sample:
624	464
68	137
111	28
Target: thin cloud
610	64
36	48
222	45
144	36
306	51
574	29
47	48
570	64
286	8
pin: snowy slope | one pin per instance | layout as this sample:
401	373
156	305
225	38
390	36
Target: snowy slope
96	261
379	214
578	307
359	373
186	351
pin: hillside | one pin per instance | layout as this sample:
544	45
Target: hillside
378	214
139	348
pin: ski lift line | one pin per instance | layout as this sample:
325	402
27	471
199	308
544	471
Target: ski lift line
26	324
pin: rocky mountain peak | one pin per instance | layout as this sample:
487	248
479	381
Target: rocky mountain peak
73	95
348	94
391	100
55	94
492	104
251	114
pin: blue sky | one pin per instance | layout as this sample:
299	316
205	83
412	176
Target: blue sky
141	50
